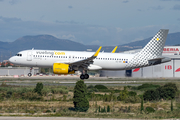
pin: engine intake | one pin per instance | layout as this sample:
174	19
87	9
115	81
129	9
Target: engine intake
61	68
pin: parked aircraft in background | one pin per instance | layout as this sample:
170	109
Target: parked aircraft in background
67	62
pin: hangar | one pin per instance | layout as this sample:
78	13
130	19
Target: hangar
168	69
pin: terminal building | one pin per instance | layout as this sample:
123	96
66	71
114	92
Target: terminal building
168	69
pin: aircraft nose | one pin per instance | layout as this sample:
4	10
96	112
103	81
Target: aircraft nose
12	60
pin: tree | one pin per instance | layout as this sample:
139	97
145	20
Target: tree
123	94
80	100
142	107
171	105
38	89
108	108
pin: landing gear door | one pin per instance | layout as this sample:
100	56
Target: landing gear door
29	56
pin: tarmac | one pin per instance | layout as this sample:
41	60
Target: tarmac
62	118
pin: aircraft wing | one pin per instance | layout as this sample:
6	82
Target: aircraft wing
86	62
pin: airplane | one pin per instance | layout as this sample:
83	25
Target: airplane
67	62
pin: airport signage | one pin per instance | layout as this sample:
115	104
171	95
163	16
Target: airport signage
170	49
168	67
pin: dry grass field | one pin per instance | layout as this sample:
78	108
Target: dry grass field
60	103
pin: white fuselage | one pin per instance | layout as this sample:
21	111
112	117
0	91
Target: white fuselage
46	58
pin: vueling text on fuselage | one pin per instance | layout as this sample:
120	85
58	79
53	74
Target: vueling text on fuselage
51	53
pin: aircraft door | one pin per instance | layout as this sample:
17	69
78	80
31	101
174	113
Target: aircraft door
29	56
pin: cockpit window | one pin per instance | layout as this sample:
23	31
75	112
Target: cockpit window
20	55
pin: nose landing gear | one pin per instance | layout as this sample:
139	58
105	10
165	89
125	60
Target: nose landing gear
30	74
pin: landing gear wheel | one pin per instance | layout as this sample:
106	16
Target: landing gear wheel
29	74
82	77
86	76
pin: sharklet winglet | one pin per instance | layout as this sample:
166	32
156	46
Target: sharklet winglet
97	52
114	50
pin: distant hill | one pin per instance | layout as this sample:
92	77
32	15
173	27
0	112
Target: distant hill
172	39
45	42
8	49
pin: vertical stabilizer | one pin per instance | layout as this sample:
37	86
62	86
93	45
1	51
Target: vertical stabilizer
152	50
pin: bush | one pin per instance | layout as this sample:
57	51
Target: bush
134	88
93	90
80	100
100	87
94	96
147	86
104	90
58	91
90	87
123	94
150	109
45	91
48	111
168	91
132	99
1	97
131	93
8	94
32	96
171	85
116	91
151	95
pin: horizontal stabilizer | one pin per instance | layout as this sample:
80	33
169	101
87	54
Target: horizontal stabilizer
159	60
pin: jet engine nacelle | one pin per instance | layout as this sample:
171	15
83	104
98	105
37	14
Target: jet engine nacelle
61	68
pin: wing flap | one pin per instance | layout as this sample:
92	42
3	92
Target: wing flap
88	61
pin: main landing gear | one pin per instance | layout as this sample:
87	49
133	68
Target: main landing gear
84	76
30	74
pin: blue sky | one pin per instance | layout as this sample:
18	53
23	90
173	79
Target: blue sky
93	22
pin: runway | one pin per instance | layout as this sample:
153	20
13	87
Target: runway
71	81
58	118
